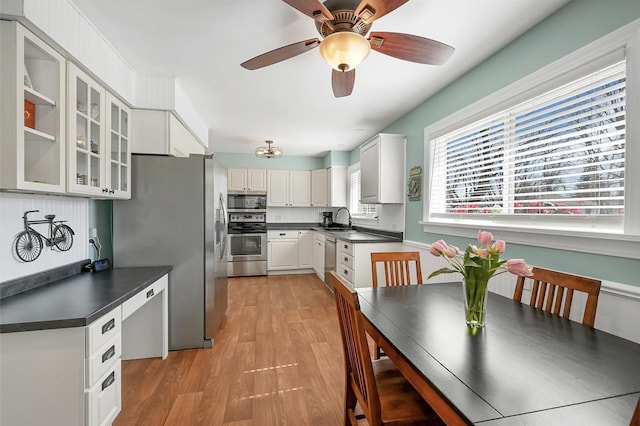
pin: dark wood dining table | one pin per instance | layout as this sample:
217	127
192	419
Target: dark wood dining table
525	367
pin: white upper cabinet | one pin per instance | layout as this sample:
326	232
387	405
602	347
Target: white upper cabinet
32	127
160	132
99	154
119	148
382	166
319	188
300	188
337	186
288	188
247	179
329	187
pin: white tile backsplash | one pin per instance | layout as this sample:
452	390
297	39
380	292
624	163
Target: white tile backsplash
296	214
12	206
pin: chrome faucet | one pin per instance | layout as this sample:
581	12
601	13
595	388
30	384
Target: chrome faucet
348	212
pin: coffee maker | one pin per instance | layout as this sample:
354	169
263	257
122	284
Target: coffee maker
327	218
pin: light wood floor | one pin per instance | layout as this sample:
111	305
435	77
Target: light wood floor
276	361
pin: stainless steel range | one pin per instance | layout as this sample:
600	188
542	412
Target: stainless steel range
247	243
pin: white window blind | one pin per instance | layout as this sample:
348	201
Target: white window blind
357	208
559	153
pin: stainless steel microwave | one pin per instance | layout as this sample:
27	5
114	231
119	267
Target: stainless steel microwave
247	202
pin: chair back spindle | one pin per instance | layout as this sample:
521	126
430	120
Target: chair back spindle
552	291
397	267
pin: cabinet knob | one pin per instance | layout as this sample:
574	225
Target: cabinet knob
105	190
111	191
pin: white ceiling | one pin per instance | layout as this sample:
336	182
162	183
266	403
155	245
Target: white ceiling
203	42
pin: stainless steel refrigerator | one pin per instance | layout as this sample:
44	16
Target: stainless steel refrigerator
177	216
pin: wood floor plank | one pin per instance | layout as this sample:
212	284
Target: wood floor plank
277	360
183	407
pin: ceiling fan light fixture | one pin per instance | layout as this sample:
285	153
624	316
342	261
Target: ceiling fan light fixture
344	50
268	151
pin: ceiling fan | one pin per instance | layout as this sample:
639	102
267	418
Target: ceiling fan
343	25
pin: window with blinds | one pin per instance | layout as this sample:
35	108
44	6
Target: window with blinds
559	153
356	208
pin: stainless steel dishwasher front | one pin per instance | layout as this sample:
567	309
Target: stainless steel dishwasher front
329	258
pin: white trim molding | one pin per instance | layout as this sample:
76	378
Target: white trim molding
592	235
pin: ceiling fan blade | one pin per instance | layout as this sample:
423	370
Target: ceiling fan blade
280	54
411	48
312	8
342	82
370	10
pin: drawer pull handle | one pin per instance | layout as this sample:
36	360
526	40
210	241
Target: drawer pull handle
150	293
346	259
345	272
109	380
109	326
282	234
109	354
346	246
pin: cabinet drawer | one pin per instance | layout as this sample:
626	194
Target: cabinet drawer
347	273
103	329
346	247
274	235
103	359
104	398
346	260
133	304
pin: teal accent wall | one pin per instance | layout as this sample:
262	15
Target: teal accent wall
100	217
337	158
575	25
287	162
332	158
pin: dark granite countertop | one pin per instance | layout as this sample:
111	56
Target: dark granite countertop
355	235
75	301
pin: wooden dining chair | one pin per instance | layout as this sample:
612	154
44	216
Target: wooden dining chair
397	271
635	420
552	291
384	394
397	267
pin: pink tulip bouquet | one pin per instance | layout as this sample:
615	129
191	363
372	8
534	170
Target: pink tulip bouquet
477	265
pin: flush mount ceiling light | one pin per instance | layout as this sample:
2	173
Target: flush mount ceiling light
344	51
269	151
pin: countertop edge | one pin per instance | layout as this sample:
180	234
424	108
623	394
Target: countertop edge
105	308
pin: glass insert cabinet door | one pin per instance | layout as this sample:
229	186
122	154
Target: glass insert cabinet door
86	100
119	155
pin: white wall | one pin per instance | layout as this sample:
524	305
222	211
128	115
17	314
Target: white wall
12	207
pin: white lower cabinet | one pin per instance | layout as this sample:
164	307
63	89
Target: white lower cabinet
289	250
305	249
71	376
282	250
104	398
353	261
318	254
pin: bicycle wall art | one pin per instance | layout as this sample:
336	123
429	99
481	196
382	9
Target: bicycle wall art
28	243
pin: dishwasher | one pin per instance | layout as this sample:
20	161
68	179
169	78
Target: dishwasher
329	259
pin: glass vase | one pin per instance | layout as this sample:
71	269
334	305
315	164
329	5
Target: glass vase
475	301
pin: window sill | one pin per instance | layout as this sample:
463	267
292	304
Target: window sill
611	244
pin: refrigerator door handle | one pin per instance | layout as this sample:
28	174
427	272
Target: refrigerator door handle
224	228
